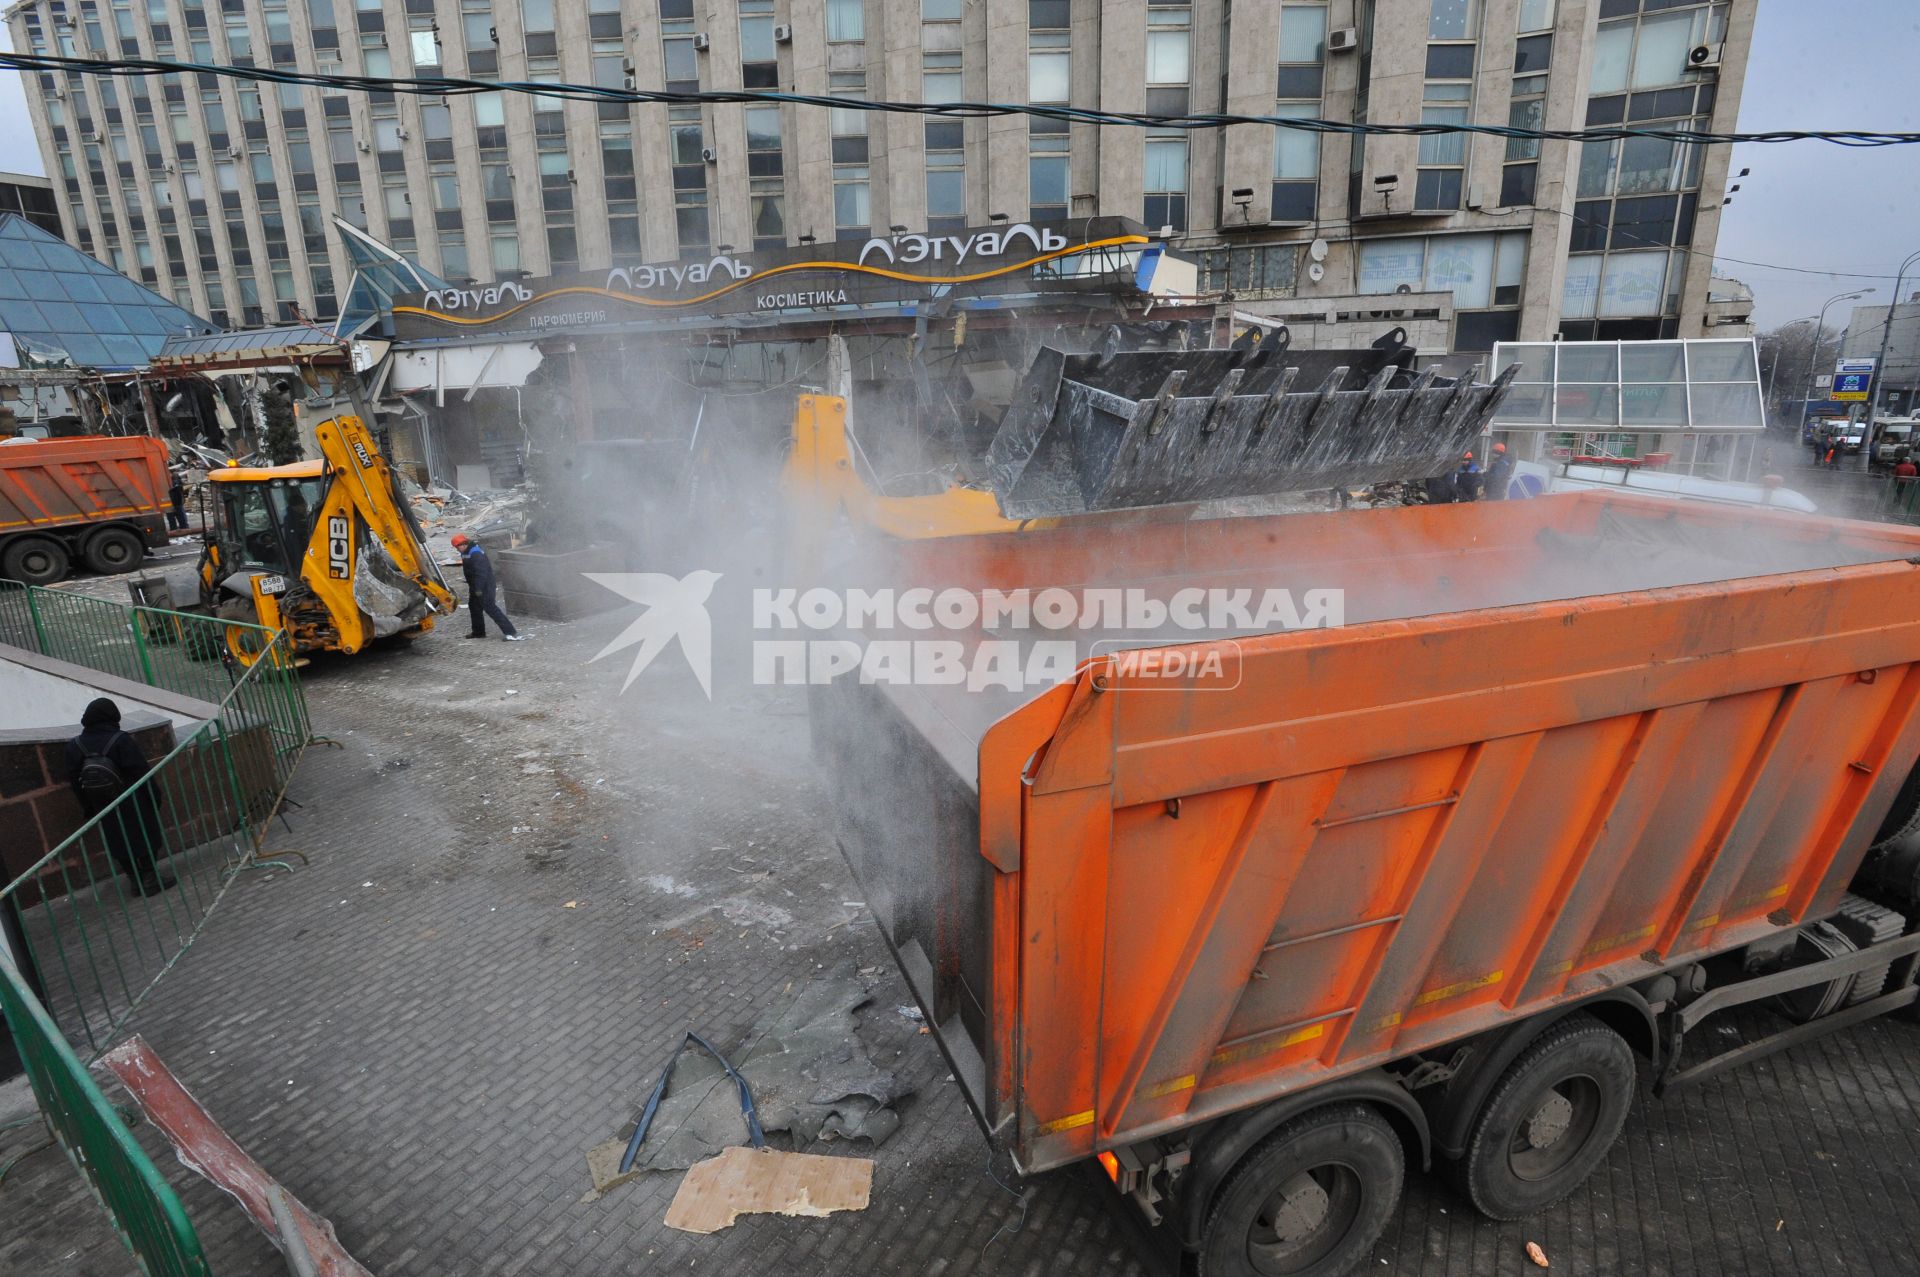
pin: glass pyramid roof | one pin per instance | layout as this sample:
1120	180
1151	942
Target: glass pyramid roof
63	307
380	274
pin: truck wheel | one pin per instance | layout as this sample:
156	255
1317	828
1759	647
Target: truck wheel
1550	1119
1310	1200
35	561
114	550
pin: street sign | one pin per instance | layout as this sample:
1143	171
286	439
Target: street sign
1851	387
1853	365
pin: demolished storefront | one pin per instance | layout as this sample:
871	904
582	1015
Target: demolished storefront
682	360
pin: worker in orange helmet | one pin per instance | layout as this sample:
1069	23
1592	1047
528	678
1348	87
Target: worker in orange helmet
481	602
1499	473
1467	479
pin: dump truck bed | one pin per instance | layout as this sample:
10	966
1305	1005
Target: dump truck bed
61	482
1558	745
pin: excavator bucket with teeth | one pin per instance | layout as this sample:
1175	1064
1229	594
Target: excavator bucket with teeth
1118	430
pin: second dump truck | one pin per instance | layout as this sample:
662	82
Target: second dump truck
99	501
1431	888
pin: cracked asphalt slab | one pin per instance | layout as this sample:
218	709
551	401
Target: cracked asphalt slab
524	887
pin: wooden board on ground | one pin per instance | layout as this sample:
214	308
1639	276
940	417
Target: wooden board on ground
746	1181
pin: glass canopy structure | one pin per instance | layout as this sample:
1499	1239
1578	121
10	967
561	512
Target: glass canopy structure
380	274
1696	385
62	308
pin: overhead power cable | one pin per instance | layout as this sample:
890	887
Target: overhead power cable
454	86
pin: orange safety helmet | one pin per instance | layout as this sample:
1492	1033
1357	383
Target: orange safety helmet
1468	457
1499	447
460	539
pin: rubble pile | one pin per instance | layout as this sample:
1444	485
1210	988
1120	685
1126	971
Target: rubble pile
494	517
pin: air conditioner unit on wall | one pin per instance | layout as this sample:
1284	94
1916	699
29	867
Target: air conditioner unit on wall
700	41
783	34
1343	40
1704	57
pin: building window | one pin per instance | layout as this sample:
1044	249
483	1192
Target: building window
765	169
846	21
1527	110
852	214
1451	20
940	77
453	258
1169	46
603	19
759	61
1635	203
1536	15
1047	67
1251	273
1295	193
946	176
687	138
1652	50
1303	51
1049	168
1296	166
1482	272
478	34
680	61
504	250
536	15
1165	182
424	46
1447	99
940	10
1169	58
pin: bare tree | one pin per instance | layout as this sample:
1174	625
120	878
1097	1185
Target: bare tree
1784	353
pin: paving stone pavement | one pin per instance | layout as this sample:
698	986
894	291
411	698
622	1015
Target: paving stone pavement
524	886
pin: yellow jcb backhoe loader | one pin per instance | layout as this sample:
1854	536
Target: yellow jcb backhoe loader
327	550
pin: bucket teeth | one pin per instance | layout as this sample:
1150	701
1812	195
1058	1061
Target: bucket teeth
1118	430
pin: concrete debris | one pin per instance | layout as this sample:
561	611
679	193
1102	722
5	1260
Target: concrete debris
810	1076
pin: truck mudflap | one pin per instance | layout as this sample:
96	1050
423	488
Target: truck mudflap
1121	430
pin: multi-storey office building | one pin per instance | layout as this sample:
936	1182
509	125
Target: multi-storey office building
218	192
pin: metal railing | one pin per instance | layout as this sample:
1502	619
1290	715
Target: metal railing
95	922
178	651
144	1208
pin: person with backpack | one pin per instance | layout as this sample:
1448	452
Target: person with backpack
103	762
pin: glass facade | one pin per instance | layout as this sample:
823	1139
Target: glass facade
222	193
60	306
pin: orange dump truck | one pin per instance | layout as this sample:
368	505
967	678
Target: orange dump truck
1261	925
98	501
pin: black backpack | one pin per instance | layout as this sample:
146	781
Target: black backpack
100	781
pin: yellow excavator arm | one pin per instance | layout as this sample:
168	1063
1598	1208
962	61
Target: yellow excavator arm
362	492
822	486
354	565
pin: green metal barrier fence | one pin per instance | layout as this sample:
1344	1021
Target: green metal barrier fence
143	1207
176	650
96	921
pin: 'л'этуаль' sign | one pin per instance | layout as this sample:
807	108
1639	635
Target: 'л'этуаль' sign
1101	253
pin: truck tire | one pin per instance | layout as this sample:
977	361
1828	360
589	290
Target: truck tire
1310	1200
34	560
1903	818
1549	1120
113	550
